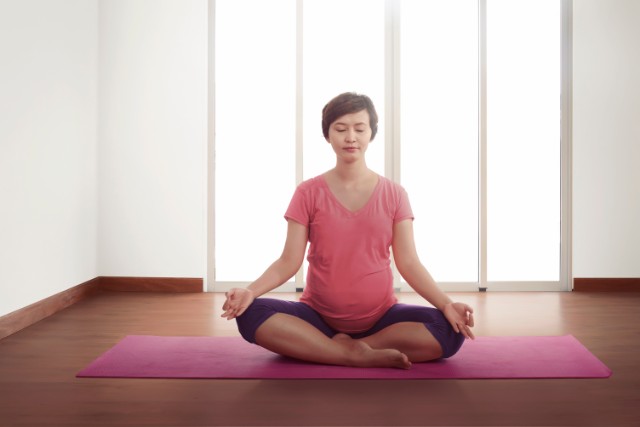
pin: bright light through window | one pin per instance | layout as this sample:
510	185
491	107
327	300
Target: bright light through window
439	126
343	52
523	140
344	49
255	133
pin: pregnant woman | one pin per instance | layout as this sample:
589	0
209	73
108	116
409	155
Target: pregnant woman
352	219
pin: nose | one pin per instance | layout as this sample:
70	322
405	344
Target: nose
351	135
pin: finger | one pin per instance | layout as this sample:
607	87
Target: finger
229	296
455	327
463	331
229	310
228	307
470	333
471	322
229	315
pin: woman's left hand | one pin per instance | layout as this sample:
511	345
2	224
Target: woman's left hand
461	318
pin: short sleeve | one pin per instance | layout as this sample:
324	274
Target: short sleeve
403	207
298	209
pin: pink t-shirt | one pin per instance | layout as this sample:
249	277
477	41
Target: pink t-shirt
349	281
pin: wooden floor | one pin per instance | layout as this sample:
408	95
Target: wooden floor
38	367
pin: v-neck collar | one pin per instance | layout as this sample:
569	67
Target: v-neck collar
343	207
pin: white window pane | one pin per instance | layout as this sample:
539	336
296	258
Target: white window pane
343	52
255	133
439	133
523	140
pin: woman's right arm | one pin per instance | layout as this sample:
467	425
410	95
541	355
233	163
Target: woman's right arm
238	299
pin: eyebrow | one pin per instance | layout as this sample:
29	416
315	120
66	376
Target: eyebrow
345	124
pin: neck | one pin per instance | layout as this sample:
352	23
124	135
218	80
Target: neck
352	172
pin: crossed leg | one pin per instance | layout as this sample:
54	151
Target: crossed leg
410	338
394	346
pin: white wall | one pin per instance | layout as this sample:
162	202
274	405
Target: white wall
606	138
48	181
152	133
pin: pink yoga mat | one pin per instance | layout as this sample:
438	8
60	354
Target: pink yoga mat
141	356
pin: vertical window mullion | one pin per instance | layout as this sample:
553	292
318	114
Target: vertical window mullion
299	277
482	143
210	261
566	142
392	100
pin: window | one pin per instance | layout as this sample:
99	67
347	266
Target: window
439	132
523	140
468	93
255	139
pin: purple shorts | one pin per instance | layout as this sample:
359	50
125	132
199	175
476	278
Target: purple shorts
433	319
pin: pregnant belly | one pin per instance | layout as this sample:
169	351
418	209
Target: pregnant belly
354	307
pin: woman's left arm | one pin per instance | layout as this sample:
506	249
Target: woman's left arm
406	258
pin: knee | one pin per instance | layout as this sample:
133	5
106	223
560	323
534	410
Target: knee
450	341
259	311
454	344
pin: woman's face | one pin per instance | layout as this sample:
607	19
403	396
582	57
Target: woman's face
350	135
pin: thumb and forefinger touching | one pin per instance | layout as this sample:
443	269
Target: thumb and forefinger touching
231	306
464	321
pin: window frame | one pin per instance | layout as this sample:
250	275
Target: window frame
393	147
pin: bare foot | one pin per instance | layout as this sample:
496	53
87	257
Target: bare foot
362	355
342	337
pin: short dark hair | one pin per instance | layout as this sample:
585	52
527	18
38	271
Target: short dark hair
348	103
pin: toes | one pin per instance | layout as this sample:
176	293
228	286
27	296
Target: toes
342	337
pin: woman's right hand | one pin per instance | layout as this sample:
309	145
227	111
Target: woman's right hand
238	299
